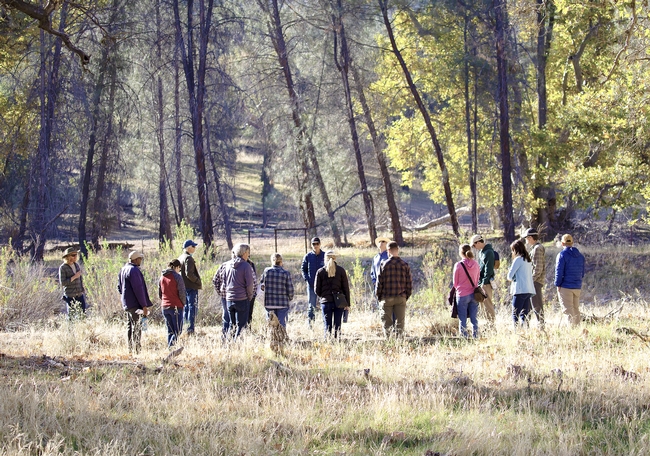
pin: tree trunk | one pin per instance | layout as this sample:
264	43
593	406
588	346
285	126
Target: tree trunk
383	4
196	92
377	143
223	206
468	127
501	25
305	146
180	215
343	67
48	95
99	212
164	226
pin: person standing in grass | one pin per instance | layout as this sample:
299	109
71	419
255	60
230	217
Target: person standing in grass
192	280
393	289
486	263
135	298
252	303
239	285
569	272
171	290
70	278
311	263
466	275
278	289
538	255
331	279
522	287
217	281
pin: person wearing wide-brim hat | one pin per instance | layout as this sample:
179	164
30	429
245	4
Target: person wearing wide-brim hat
70	278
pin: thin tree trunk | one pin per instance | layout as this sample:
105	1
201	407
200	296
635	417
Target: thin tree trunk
180	215
305	146
164	226
377	143
427	120
196	92
107	49
468	127
343	67
501	25
223	207
49	96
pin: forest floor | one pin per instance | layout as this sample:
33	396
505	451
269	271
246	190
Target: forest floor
71	387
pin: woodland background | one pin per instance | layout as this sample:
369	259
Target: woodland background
524	112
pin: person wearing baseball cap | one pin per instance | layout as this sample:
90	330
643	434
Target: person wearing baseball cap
135	298
192	280
311	263
538	255
569	272
486	263
70	278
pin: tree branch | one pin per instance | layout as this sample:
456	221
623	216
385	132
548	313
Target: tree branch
42	15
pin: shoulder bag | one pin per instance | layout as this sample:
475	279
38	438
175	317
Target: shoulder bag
479	293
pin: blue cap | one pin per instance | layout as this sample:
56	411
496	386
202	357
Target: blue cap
189	243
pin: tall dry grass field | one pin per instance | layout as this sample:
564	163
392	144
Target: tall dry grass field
70	387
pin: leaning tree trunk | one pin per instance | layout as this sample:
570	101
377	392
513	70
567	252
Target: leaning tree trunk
383	4
196	95
381	159
343	66
305	146
501	25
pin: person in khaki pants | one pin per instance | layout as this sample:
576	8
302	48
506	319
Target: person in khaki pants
486	263
569	272
393	289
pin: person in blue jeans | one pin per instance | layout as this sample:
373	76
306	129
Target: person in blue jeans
331	279
466	276
239	286
522	287
192	280
311	263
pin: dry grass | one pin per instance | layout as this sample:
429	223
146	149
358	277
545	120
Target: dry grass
72	388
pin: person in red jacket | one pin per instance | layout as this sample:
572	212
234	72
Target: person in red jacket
171	290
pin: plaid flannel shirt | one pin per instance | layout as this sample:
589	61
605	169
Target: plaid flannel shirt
217	280
278	287
394	279
538	255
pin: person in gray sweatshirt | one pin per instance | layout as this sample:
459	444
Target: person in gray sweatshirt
239	285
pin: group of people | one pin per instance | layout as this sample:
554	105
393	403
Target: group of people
527	276
235	281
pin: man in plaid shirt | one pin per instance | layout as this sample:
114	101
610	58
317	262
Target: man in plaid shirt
278	289
393	289
538	255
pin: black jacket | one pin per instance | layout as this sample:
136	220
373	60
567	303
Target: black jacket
324	286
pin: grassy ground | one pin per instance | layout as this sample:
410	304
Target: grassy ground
72	387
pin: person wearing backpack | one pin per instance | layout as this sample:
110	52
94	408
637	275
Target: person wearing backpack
486	263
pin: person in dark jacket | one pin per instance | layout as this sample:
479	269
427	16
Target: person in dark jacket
135	298
70	278
486	263
193	284
331	279
311	263
394	287
171	290
239	286
252	303
569	272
